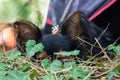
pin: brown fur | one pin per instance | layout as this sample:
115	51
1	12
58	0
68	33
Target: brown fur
26	31
72	26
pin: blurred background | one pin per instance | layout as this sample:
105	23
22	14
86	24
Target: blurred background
32	10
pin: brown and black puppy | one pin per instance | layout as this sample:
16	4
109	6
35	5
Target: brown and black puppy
76	33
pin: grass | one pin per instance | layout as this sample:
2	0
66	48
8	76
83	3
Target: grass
13	66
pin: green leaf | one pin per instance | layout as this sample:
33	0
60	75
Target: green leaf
59	78
110	75
33	74
49	77
4	78
56	65
3	73
71	53
100	64
32	48
111	46
117	68
115	48
88	70
77	73
69	64
1	54
18	75
46	63
3	66
30	43
13	54
25	67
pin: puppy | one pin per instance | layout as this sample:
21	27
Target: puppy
81	34
75	33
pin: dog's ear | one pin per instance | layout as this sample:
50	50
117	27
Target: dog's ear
26	31
76	25
72	26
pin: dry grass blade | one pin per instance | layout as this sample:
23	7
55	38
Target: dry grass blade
103	51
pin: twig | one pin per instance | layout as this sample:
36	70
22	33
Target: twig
110	69
85	41
103	50
116	40
100	36
90	74
37	68
103	31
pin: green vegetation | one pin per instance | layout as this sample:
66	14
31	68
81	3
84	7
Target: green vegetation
32	10
16	67
115	48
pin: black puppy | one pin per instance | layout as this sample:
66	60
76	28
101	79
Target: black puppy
76	32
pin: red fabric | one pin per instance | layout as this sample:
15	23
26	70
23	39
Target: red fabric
49	21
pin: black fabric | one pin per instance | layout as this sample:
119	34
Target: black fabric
88	7
110	16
